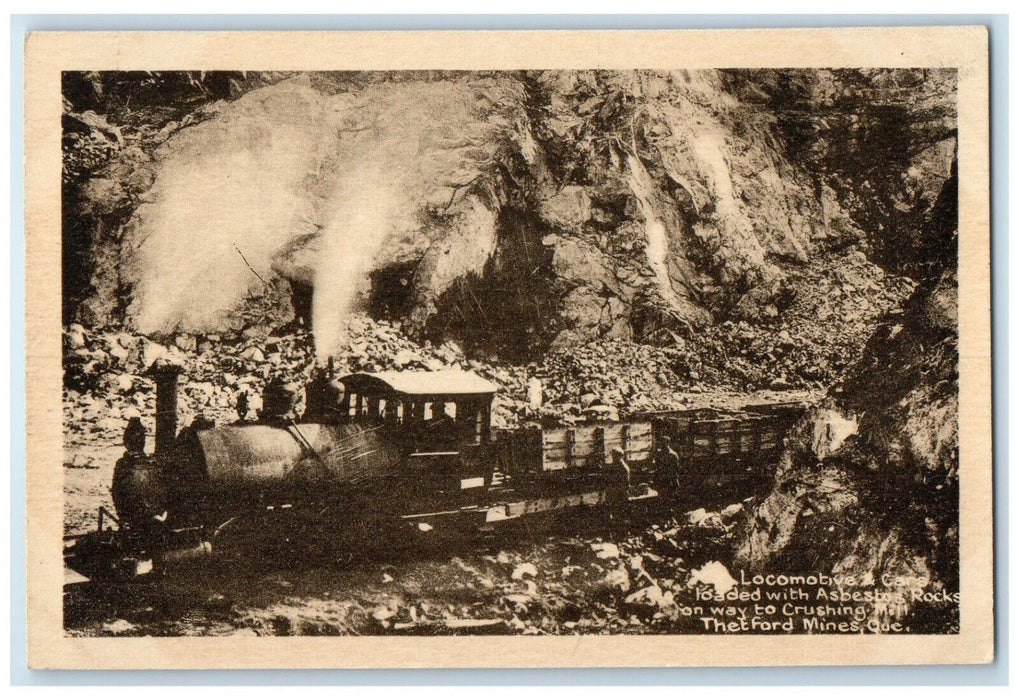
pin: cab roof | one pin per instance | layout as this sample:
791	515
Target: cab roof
446	382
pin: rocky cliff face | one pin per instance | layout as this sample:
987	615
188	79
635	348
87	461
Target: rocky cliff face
869	483
511	212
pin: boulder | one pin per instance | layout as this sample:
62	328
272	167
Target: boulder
253	354
605	550
731	512
151	352
124	383
522	570
569	209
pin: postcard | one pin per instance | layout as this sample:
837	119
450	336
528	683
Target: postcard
508	349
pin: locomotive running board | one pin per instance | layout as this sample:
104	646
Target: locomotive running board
501	512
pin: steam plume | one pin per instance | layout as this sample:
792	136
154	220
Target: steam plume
286	161
357	226
227	184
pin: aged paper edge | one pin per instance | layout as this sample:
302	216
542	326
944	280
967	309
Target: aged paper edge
47	54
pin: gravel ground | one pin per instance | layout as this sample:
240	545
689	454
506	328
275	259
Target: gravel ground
592	574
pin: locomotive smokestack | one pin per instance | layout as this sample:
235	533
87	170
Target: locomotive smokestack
165	375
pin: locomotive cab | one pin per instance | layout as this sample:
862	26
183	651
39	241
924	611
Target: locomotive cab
441	418
447	408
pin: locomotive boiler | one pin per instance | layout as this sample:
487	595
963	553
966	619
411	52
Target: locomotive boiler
372	454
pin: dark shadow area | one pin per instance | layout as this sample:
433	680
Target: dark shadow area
511	310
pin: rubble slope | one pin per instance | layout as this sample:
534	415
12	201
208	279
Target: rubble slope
869	483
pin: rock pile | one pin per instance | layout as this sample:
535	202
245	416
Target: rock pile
105	380
835	304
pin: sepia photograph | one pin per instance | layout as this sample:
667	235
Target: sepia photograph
535	352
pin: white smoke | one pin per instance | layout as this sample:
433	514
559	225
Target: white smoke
223	186
359	223
285	161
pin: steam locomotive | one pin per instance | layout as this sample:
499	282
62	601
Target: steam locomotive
376	454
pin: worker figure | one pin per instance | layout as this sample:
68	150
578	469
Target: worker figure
437	430
620	473
137	490
672	463
442	425
440	416
534	392
242	406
